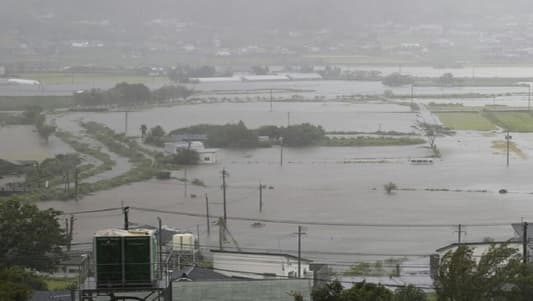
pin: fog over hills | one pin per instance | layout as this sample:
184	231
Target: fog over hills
302	14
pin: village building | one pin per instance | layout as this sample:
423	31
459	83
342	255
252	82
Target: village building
253	265
206	155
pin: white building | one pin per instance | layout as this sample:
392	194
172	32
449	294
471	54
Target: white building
258	78
206	155
259	265
479	248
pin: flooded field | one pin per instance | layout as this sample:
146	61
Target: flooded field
330	185
331	116
23	143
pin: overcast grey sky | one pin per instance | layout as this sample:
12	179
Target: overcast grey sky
293	13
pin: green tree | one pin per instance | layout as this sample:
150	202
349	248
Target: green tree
155	136
17	284
390	187
45	131
128	94
260	70
330	291
363	291
498	275
186	157
166	93
93	97
157	131
409	293
31	238
396	79
143	128
233	136
302	134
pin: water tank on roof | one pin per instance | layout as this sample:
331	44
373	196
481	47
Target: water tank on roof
183	242
126	258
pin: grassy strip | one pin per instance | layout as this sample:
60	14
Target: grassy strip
19	103
387	133
371	141
143	169
501	145
116	143
512	121
466	121
84	148
58	284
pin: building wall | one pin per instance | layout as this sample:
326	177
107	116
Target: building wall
258	266
207	157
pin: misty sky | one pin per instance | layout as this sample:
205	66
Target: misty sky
260	13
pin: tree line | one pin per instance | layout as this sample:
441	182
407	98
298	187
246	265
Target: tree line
500	274
238	135
125	94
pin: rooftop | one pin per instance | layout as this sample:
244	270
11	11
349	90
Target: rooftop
261	254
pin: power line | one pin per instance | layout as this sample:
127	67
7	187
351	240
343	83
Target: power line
90	211
312	223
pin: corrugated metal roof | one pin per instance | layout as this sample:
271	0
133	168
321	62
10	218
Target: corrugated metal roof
121	232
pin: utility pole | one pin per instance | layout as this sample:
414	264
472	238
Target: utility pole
525	243
69	230
160	238
281	151
528	96
260	197
508	139
300	251
197	236
68	182
125	211
412	94
125	123
185	182
460	233
224	173
220	233
76	181
288	119
207	215
270	100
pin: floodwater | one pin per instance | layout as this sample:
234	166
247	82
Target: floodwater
24	143
332	116
467	71
329	185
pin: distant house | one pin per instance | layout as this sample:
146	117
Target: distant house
207	155
478	248
209	284
252	265
304	76
257	78
69	266
195	273
215	79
